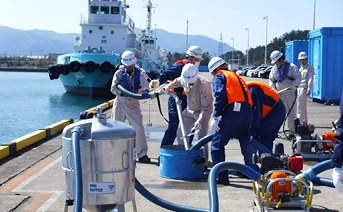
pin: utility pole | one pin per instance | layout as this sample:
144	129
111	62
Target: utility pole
220	48
187	37
314	15
248	48
233	48
265	51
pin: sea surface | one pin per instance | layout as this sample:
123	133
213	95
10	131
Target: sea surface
30	101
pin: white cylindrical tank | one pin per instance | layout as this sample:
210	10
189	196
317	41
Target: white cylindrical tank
107	150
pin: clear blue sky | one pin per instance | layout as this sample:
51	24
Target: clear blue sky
208	18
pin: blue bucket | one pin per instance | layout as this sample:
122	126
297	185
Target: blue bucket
178	163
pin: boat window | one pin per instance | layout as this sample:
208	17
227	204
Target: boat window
105	10
115	10
94	10
151	41
146	41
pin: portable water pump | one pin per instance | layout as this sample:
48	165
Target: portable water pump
311	147
279	160
282	190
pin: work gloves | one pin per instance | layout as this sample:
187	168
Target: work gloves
154	83
145	93
337	178
197	127
214	125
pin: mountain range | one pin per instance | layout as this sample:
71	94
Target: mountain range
42	42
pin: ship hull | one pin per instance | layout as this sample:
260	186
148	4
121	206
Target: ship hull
96	83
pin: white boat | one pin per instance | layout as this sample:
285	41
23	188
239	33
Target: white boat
107	31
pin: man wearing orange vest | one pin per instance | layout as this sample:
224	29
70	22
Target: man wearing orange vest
269	113
233	104
194	56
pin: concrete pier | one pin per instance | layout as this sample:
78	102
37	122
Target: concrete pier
32	179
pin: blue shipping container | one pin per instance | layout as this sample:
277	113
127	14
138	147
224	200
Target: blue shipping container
293	48
326	56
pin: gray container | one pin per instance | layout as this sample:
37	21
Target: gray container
107	150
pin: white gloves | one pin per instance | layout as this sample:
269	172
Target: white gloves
197	127
214	124
154	83
337	178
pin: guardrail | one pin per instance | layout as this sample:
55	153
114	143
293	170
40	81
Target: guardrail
10	148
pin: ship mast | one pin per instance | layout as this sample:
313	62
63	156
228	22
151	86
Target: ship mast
148	17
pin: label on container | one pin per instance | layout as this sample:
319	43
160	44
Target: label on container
101	188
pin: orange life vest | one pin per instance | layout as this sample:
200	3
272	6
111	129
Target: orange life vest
233	88
268	91
173	89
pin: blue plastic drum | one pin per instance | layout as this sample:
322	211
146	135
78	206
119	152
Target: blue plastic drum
178	163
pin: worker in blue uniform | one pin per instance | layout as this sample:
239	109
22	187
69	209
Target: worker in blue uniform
194	56
232	115
269	113
337	157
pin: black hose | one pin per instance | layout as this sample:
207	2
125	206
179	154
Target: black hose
283	127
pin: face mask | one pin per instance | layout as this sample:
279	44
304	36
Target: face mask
197	64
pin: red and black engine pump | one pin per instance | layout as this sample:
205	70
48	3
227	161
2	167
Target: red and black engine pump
279	160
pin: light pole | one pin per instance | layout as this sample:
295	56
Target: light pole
233	47
314	15
187	37
248	48
265	51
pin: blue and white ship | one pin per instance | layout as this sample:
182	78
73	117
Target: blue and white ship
107	31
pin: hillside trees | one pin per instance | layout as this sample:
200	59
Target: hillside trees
256	55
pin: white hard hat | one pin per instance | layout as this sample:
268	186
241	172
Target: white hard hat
215	63
195	51
302	55
275	55
189	73
128	58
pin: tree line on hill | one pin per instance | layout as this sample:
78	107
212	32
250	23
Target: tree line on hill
256	55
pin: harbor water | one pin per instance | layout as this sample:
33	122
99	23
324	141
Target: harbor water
31	101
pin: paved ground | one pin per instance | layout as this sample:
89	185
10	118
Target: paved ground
33	180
